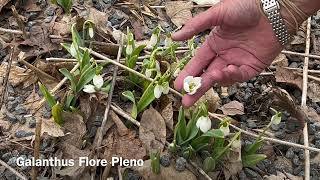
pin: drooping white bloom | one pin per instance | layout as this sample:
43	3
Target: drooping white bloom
129	49
225	129
91	32
96	86
161	88
276	119
204	123
148	73
176	72
167	41
191	84
153	41
236	143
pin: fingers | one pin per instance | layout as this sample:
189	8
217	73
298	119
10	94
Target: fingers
205	20
197	64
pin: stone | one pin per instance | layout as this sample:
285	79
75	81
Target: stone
22	133
252	174
290	153
275	127
297	170
6	156
312	129
317	136
21	119
165	160
317	144
20	109
293	65
283	164
12	161
32	123
251	124
296	160
181	164
11	118
280	134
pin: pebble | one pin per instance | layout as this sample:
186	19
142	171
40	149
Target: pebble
293	65
133	176
301	155
282	125
32	16
9	175
242	175
21	119
251	124
283	164
280	134
296	160
312	129
11	98
181	164
12	161
317	144
22	133
6	156
46	114
275	127
290	153
243	85
48	19
248	94
251	174
11	117
297	93
317	136
32	123
50	11
297	170
20	109
165	160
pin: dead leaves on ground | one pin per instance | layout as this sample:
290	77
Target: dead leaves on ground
152	131
179	11
293	77
233	108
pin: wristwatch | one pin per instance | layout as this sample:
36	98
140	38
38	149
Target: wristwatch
272	10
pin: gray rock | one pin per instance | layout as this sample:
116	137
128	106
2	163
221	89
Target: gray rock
275	127
293	65
301	155
12	161
280	134
181	164
317	143
6	156
32	123
165	160
317	136
11	98
296	160
50	11
48	19
251	124
22	133
283	164
21	119
20	109
46	114
290	153
251	174
297	170
11	117
242	175
312	129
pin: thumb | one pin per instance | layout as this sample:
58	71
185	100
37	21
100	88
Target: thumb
205	20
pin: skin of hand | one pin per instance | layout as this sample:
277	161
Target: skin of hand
240	46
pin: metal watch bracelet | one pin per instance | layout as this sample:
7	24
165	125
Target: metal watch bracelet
272	10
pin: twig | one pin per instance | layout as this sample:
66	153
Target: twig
301	54
102	132
214	115
304	101
13	170
42	73
6	79
36	153
297	69
201	171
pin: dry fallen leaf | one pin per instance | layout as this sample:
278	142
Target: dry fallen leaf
281	175
152	131
51	128
232	164
179	11
17	74
122	129
314	91
281	60
166	111
233	108
165	173
212	98
73	123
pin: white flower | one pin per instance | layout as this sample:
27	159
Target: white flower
157	66
167	41
204	123
236	143
97	84
225	129
276	119
176	72
129	49
161	88
148	72
191	84
91	32
153	41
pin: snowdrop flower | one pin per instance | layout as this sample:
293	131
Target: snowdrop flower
276	119
176	72
148	72
167	41
153	41
225	129
129	49
97	84
161	88
91	32
191	84
236	143
204	123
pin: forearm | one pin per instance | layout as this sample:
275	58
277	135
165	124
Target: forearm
308	7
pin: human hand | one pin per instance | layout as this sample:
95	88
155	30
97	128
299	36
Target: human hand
240	46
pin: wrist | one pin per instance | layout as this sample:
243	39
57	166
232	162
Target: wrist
294	17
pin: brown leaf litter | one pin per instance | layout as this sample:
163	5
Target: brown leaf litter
179	11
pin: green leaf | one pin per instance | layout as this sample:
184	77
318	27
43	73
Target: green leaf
57	113
216	133
201	141
68	75
129	95
69	99
85	78
155	162
76	38
209	164
137	50
85	62
65	4
47	95
106	88
253	148
146	98
252	159
180	132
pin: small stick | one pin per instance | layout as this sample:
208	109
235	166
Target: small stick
13	170
42	73
36	153
304	101
6	79
300	54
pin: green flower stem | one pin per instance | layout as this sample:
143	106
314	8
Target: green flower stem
235	137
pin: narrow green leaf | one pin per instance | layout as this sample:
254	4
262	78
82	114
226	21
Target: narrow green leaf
209	164
155	162
146	98
254	147
205	138
137	50
57	113
68	75
76	38
180	132
65	4
252	159
47	95
129	95
85	62
85	78
69	99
